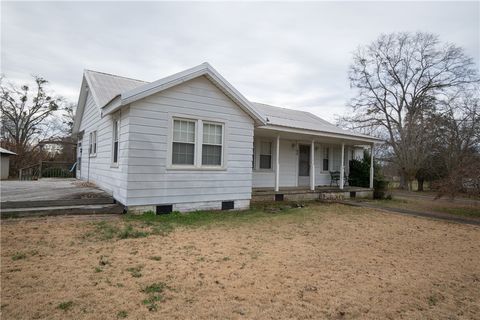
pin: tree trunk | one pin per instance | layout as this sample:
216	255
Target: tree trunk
420	184
403	180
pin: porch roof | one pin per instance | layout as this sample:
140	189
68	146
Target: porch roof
301	124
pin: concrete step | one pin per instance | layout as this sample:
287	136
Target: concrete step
55	203
61	210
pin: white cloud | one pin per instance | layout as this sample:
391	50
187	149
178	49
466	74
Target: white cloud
287	54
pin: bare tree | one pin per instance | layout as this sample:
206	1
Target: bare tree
25	115
401	78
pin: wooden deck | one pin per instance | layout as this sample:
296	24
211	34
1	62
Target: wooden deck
53	196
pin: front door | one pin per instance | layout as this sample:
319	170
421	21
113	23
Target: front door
304	165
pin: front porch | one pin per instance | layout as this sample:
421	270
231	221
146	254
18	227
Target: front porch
306	194
290	162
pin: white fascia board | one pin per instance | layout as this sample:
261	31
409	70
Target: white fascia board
112	106
82	99
368	140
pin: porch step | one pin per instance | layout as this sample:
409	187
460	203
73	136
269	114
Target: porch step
55	203
61	210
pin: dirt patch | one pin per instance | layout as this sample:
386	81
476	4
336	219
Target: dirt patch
325	261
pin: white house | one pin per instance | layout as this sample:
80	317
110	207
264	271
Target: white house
192	141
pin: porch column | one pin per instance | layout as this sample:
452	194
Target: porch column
371	167
312	166
342	166
277	165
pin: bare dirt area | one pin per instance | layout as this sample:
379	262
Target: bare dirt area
319	262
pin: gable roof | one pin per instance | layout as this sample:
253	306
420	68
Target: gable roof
134	94
111	92
105	86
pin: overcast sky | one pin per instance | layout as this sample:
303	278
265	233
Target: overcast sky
287	54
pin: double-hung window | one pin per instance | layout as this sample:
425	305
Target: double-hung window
183	149
212	144
266	155
92	148
115	140
326	152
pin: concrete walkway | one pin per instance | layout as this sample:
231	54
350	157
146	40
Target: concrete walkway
432	215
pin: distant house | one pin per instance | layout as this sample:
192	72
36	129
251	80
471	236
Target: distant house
192	141
5	163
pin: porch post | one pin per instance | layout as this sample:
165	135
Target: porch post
342	166
312	166
277	165
371	167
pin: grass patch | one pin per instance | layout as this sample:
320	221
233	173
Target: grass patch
135	271
65	306
155	258
473	212
155	294
129	232
19	256
122	314
165	223
139	226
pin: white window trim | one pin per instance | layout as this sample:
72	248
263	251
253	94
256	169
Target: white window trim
92	142
115	118
222	155
330	155
195	146
197	158
258	148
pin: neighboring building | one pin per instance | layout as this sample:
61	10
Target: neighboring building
5	163
192	141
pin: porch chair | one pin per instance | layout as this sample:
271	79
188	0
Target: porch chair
335	178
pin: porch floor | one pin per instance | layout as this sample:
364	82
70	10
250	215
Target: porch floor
295	190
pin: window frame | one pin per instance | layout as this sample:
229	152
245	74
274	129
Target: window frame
115	120
260	155
92	144
326	150
195	139
198	145
222	145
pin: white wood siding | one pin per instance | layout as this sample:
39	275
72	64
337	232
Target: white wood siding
152	182
98	169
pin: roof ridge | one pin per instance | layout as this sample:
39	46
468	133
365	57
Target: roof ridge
116	75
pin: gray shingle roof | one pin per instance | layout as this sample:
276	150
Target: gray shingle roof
299	119
106	86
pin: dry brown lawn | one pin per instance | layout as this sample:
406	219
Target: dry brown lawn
320	262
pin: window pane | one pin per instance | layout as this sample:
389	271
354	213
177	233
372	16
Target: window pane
184	131
115	152
265	161
266	148
183	153
325	164
212	133
211	155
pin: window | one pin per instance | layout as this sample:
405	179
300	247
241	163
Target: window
265	155
326	152
183	151
115	132
212	144
92	148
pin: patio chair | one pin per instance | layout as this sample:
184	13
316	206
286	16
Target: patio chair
335	178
